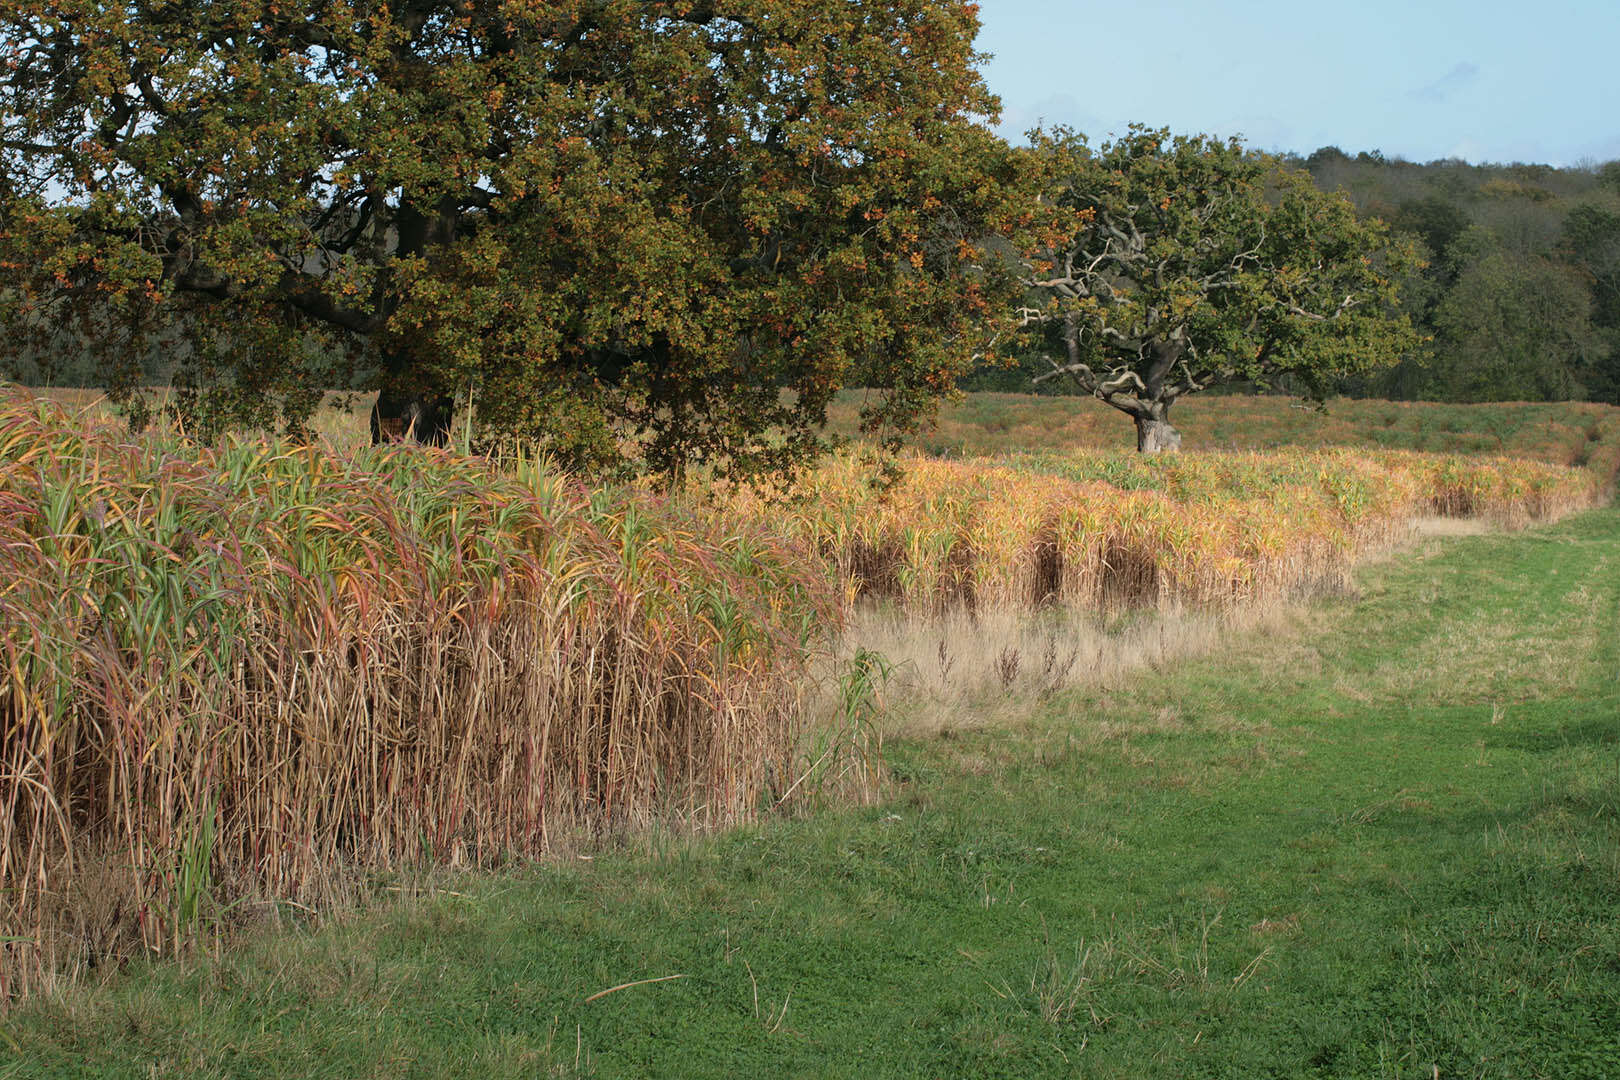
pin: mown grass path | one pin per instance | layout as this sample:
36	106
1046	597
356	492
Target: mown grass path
1385	845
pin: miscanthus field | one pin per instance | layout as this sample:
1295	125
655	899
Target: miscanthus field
1294	754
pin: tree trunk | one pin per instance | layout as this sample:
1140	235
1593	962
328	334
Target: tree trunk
406	409
423	418
1154	435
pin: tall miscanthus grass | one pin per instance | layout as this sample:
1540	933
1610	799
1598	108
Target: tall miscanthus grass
1099	531
242	673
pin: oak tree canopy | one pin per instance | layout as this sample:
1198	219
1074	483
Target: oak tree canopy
1190	261
677	226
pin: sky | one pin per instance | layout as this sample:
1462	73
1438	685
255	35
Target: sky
1486	81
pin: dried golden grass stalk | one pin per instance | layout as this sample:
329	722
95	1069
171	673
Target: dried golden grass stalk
1105	531
226	672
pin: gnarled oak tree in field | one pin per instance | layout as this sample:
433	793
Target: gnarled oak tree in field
671	225
1189	262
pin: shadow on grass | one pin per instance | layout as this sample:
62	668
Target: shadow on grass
1599	730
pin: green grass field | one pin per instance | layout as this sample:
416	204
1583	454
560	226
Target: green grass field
1565	433
1381	842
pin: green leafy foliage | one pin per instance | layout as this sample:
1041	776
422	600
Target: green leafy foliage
1558	231
1190	262
660	229
1515	328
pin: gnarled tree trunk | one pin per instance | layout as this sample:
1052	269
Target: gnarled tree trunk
407	408
1154	434
424	418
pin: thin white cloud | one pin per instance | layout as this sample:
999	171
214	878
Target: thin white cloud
1441	90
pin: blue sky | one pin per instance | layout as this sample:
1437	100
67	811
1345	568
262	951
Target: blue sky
1422	79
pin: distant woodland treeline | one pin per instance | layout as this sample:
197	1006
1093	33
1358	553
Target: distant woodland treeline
1520	298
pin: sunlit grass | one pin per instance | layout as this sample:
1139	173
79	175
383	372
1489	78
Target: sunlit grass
253	673
1563	433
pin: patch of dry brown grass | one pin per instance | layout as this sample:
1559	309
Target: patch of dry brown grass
961	671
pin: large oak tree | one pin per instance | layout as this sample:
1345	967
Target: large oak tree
673	227
1189	262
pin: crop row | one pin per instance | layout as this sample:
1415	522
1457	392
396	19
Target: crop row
233	675
1104	531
